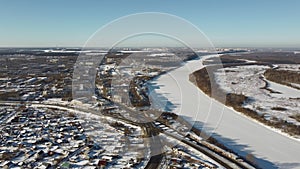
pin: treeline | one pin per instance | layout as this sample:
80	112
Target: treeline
267	57
284	77
138	92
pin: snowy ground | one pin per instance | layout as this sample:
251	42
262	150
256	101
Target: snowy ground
246	80
243	135
80	139
290	67
193	158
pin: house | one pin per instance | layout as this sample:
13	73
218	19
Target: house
101	164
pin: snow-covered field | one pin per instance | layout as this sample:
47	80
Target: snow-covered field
290	67
247	80
173	91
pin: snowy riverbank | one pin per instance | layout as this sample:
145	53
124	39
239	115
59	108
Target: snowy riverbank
243	135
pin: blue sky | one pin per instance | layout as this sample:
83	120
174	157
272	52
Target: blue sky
228	23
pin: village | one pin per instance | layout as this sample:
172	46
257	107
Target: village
44	126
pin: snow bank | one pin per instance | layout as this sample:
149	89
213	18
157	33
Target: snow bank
238	132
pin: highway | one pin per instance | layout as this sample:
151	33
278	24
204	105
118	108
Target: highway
226	162
155	146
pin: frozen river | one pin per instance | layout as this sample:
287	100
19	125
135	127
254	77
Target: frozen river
174	92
